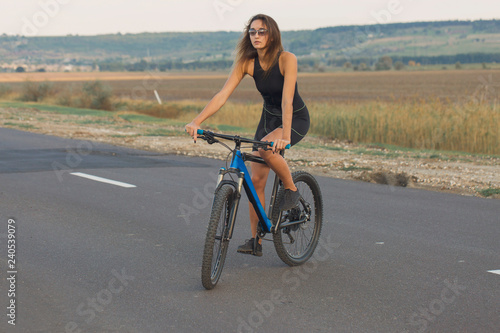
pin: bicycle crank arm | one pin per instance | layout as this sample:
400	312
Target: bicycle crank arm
289	224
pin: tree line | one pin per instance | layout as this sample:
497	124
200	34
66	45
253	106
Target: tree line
464	58
163	66
307	64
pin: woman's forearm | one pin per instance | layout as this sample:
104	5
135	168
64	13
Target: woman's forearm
287	120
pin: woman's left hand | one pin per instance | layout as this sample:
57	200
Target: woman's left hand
280	144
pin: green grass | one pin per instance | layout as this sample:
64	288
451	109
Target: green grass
124	136
56	108
105	117
231	129
93	121
387	154
489	192
163	132
149	119
354	168
139	118
24	126
308	145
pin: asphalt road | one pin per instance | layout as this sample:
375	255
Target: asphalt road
100	257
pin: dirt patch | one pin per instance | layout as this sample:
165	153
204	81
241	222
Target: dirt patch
449	172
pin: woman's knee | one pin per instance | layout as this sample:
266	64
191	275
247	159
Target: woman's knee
265	154
259	177
259	181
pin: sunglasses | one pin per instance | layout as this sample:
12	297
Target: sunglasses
260	32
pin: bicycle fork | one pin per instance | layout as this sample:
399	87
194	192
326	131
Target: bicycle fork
228	234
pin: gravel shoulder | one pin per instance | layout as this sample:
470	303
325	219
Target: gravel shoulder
458	173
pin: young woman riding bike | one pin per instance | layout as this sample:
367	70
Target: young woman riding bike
285	118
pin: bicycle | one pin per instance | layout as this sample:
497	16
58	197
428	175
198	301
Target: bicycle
295	232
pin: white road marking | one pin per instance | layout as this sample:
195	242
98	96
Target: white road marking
495	271
102	180
379	243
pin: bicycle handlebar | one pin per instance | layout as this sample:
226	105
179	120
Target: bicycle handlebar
234	138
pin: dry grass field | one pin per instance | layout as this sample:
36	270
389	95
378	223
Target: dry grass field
443	110
452	85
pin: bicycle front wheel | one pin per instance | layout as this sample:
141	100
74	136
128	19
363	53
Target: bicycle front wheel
296	243
217	241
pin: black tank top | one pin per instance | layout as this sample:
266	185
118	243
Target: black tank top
271	89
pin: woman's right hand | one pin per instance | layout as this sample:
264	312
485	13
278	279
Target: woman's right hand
192	129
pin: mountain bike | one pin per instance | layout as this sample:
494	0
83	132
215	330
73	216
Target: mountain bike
295	232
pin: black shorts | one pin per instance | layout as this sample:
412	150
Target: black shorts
270	121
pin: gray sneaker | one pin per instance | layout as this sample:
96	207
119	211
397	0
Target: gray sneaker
290	200
247	248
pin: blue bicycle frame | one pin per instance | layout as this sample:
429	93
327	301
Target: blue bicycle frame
238	165
239	168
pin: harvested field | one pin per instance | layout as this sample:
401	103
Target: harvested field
447	85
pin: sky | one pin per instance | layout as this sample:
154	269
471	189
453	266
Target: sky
96	17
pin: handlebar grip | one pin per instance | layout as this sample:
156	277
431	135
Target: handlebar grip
286	147
199	132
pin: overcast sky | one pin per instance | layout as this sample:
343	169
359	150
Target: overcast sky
91	17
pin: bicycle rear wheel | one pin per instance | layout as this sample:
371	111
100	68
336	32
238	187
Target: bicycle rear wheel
295	244
216	240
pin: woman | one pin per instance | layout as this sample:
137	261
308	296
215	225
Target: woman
285	118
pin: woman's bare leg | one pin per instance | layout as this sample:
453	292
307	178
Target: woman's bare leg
277	163
260	173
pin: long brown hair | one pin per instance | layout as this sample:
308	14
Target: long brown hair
245	50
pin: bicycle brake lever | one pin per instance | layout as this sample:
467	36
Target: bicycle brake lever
263	146
208	138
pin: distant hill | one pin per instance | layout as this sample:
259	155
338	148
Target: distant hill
424	42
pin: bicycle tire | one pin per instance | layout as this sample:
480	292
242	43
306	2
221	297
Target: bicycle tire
311	193
216	242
